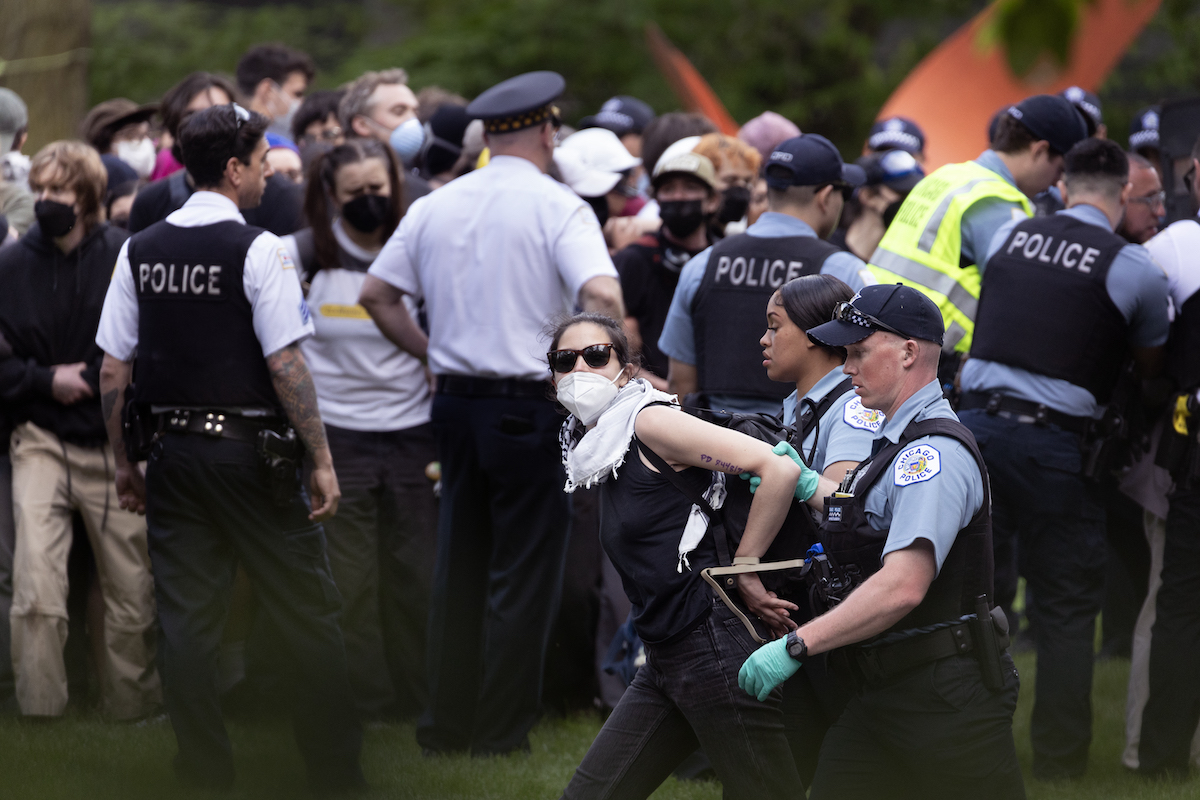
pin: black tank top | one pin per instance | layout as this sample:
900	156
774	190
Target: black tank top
642	517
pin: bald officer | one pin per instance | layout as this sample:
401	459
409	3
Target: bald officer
495	255
933	714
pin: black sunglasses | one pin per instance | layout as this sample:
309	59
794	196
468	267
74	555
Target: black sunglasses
845	312
595	356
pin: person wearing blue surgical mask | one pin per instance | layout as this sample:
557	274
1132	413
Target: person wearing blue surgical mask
380	106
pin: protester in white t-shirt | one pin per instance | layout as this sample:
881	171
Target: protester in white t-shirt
375	401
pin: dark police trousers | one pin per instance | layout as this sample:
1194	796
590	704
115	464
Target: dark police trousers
381	547
1041	501
208	508
933	731
1173	708
502	545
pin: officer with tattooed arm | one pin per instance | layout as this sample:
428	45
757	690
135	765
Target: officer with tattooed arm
224	409
909	531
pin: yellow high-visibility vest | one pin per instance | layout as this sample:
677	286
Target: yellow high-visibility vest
923	246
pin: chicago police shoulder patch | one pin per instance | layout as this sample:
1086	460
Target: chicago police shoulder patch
856	415
918	463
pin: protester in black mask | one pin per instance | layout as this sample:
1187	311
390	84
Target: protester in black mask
685	187
736	164
375	401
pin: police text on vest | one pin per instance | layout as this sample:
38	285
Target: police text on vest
1071	255
169	279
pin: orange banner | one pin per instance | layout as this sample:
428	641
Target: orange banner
689	85
955	90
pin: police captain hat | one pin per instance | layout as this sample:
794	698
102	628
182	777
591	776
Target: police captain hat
894	308
810	160
896	133
1143	131
1053	119
519	103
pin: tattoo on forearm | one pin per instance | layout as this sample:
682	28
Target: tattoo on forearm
108	402
294	385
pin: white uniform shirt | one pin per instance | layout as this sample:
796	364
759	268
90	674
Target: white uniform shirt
496	254
280	315
364	382
1175	249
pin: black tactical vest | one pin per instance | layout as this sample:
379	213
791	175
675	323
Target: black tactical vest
196	340
1183	348
729	310
1044	306
855	546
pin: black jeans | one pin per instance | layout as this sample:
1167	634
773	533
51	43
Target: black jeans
503	526
1041	502
1173	708
933	731
381	549
209	507
687	695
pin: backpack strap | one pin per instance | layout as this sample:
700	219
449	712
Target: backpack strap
691	493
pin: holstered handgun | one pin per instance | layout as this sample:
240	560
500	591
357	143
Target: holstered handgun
282	455
139	427
989	634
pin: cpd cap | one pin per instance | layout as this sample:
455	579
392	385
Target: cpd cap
1143	131
518	103
621	115
112	115
13	117
692	165
896	133
809	160
896	169
1088	104
900	307
1052	118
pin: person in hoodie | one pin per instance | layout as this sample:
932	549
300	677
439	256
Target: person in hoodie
55	280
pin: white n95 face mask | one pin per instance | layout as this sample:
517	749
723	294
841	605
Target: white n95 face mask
586	394
140	155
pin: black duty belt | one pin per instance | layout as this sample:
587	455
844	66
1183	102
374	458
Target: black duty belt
215	424
491	387
1025	411
881	662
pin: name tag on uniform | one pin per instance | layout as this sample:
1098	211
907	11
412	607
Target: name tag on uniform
179	280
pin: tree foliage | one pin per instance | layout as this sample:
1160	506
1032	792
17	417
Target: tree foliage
827	64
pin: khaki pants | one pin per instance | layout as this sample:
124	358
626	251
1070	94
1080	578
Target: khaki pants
51	479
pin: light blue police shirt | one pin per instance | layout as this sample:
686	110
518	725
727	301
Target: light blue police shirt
846	429
1137	286
933	487
678	339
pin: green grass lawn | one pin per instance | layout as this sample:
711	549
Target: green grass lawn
82	757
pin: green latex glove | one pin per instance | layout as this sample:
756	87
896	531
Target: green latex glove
766	668
805	487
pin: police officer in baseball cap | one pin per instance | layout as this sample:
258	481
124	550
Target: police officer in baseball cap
716	317
910	533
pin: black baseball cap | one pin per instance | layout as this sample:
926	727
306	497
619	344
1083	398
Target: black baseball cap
896	169
894	308
1052	118
809	160
621	115
896	133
